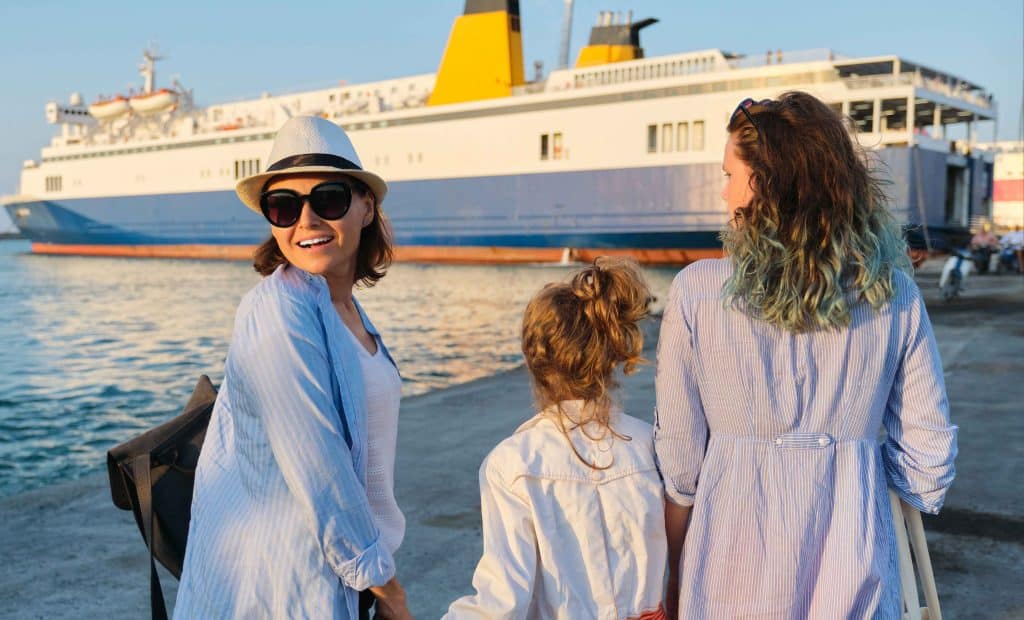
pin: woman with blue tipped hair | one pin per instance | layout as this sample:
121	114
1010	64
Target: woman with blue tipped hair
777	367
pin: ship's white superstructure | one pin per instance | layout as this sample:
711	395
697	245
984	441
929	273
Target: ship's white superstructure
656	121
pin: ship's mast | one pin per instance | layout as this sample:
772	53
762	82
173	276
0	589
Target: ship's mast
563	56
148	69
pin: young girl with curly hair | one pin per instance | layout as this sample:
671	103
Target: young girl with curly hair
573	515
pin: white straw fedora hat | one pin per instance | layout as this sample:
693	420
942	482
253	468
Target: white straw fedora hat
304	145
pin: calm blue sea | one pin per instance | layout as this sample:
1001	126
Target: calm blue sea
95	350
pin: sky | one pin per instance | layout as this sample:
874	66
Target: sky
237	50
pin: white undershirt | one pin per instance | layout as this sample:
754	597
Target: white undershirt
383	396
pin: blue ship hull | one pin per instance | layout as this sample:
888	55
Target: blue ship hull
663	214
632	210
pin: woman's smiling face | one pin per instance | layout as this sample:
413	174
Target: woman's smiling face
317	245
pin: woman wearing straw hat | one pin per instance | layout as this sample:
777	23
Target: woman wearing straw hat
777	367
293	513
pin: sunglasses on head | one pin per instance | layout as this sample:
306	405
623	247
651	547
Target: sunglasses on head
329	200
744	107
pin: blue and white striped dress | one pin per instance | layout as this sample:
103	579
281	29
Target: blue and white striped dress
773	438
281	526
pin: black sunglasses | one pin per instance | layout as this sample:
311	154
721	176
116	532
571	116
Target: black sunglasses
744	108
283	207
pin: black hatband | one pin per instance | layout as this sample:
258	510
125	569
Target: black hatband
312	159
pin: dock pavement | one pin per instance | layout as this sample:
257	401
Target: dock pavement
67	552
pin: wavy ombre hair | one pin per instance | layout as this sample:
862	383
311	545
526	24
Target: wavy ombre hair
576	334
817	236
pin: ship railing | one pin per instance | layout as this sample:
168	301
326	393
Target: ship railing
879	81
783	57
637	70
916	79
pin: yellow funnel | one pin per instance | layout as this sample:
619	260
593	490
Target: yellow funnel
610	42
484	55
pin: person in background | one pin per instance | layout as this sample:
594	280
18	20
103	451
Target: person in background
573	522
983	245
777	366
293	513
1015	241
985	238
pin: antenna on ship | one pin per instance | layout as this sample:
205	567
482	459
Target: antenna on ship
563	56
148	68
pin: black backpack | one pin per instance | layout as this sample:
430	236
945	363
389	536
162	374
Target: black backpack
153	474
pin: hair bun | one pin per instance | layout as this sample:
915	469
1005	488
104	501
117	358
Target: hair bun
589	283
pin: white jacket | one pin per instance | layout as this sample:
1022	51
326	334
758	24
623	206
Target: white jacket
563	540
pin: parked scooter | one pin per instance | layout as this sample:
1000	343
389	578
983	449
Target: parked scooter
954	273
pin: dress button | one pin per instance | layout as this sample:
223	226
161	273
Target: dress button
778	441
823	442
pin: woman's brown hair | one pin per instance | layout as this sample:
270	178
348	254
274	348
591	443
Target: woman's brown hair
817	235
375	253
576	334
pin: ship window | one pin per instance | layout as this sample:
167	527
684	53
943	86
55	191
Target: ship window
54	184
543	146
698	135
652	138
894	114
556	145
246	167
683	137
666	137
862	113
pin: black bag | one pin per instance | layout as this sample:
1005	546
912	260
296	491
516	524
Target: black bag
152	475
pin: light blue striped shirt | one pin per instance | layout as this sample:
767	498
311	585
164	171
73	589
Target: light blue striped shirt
281	527
772	437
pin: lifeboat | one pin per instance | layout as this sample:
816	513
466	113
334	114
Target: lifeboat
109	109
158	101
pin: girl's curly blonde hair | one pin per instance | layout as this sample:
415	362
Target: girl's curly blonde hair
576	334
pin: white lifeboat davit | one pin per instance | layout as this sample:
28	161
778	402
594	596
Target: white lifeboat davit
155	102
109	109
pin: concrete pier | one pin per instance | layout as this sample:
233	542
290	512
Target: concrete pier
65	551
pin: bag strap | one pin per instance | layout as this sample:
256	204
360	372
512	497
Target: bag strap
144	487
910	608
915	530
909	532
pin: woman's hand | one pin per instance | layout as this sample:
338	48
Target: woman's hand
391	603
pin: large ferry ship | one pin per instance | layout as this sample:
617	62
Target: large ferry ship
619	153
